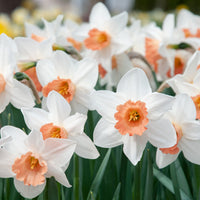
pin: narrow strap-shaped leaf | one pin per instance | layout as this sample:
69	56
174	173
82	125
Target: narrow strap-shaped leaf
98	178
168	183
149	179
117	192
182	181
175	181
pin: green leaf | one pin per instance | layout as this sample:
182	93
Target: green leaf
149	179
175	181
98	178
182	181
168	183
117	192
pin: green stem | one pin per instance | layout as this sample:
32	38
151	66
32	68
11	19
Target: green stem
76	178
136	189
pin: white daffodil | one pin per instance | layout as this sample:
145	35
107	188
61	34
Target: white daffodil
74	80
30	160
52	31
189	81
59	124
182	116
106	36
11	90
132	116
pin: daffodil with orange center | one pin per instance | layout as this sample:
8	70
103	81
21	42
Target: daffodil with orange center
183	118
11	90
74	80
58	123
105	36
188	82
33	160
132	116
30	51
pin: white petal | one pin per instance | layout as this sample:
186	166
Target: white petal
161	133
8	52
196	80
134	147
183	108
6	162
106	135
162	160
46	71
78	107
58	174
117	23
191	149
4	100
105	102
21	95
168	25
134	85
191	130
35	117
15	133
28	191
157	104
192	65
99	14
58	106
85	147
35	141
74	124
187	88
86	73
64	64
83	96
58	151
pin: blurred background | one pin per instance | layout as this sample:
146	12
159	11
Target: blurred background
13	13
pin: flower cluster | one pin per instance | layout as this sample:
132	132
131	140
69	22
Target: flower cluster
64	68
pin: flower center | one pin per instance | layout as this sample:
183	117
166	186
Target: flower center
174	149
196	100
134	116
30	169
131	118
77	45
63	86
97	40
52	131
2	83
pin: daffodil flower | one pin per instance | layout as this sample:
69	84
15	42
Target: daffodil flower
58	123
11	90
132	116
105	36
74	80
30	160
182	116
